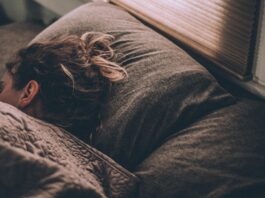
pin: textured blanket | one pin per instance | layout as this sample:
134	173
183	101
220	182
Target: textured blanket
40	160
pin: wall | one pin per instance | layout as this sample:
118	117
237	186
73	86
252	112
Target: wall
23	10
257	85
61	7
17	12
259	69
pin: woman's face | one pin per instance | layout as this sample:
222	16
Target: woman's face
8	94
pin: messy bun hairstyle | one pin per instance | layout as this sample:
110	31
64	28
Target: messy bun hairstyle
75	76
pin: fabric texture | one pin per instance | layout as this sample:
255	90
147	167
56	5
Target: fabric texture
40	160
166	89
220	155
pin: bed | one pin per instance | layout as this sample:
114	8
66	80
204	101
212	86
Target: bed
170	130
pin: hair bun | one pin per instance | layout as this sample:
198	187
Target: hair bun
101	55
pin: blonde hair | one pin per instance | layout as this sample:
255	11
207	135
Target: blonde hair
75	74
102	54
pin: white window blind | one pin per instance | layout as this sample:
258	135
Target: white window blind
223	31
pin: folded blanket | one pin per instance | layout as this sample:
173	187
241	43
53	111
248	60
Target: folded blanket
40	160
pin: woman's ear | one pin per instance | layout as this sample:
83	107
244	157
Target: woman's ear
28	94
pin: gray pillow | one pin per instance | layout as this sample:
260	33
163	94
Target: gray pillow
166	90
221	155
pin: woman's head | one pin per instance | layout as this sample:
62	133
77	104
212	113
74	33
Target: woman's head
63	81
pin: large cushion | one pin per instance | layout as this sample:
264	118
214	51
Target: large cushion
220	155
166	89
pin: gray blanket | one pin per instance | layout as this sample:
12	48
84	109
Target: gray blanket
40	160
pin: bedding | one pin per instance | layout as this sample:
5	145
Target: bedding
171	124
220	155
166	89
38	159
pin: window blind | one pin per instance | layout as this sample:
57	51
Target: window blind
223	31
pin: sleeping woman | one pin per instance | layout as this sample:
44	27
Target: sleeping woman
64	81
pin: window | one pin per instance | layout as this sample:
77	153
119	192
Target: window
223	31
